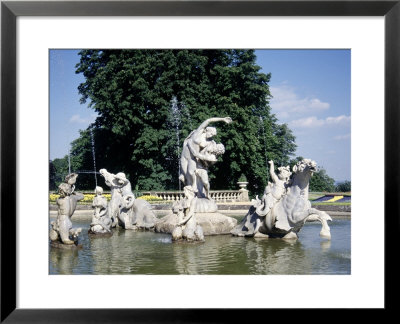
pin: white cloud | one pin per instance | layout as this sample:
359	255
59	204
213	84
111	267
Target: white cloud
342	137
286	102
339	120
307	122
79	120
313	122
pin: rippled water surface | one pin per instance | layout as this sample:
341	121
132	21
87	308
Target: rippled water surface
128	252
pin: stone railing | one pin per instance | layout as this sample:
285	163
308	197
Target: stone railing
218	195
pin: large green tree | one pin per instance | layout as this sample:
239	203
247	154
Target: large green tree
148	101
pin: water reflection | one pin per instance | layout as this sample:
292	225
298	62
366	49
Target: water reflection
325	245
63	261
128	252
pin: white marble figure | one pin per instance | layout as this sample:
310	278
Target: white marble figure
272	194
187	228
198	153
119	186
101	222
124	209
61	229
288	214
205	158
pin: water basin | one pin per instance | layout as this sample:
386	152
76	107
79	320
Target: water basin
128	252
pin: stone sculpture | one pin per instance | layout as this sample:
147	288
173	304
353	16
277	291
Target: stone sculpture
196	215
187	227
284	207
101	222
124	209
119	186
198	153
61	233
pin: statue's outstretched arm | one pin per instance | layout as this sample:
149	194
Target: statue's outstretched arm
205	123
272	171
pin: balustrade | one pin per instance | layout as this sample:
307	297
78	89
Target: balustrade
220	196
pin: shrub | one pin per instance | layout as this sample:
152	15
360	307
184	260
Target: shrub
151	198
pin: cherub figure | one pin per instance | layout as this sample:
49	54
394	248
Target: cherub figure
62	227
187	227
273	192
120	187
101	222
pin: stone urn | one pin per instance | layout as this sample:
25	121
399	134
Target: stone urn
242	184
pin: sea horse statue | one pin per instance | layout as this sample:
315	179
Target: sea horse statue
288	214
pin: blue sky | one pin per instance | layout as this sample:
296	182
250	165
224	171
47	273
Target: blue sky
310	89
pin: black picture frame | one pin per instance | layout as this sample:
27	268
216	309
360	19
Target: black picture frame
10	10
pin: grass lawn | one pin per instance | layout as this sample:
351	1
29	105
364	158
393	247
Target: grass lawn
331	203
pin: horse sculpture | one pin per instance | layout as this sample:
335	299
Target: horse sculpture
288	215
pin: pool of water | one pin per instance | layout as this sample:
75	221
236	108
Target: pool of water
128	252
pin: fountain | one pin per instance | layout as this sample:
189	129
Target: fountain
62	235
124	209
94	156
264	140
284	207
176	121
198	154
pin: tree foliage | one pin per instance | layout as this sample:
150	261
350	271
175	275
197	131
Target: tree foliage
58	169
320	181
137	131
344	186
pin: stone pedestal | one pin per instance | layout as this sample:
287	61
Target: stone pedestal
212	223
243	192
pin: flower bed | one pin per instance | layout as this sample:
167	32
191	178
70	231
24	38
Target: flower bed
89	198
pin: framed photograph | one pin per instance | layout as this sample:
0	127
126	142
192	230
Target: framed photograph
38	38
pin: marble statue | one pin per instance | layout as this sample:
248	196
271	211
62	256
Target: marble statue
198	153
124	209
120	186
187	227
61	232
284	207
101	222
196	215
273	192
